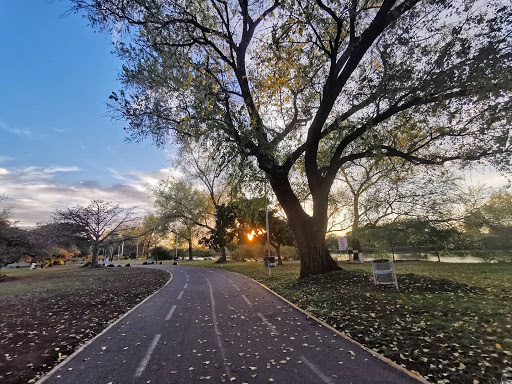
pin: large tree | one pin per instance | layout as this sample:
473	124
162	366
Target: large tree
180	204
47	239
392	189
316	84
98	222
491	222
251	222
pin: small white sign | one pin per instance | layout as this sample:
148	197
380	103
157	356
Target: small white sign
342	243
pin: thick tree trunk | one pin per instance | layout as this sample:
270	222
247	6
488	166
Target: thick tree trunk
95	253
355	222
222	258
312	250
309	231
278	253
190	256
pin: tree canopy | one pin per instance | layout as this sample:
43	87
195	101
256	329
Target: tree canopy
317	84
97	222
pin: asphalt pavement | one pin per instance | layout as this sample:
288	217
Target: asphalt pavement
213	326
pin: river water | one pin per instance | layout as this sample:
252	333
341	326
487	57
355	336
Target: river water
423	257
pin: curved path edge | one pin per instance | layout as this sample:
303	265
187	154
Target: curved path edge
383	358
90	341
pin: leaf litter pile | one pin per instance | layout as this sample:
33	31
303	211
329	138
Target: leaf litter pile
454	329
47	314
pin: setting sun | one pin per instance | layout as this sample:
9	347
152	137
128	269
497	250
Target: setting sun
253	233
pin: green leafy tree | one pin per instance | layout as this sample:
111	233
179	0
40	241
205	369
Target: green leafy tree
387	236
491	222
13	243
223	233
47	239
183	207
439	236
311	86
252	220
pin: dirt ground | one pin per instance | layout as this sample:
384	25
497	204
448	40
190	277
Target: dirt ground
45	315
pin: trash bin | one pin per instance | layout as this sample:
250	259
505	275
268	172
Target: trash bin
384	272
269	261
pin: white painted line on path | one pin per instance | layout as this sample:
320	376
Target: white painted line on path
181	294
247	300
169	315
273	329
185	286
111	325
317	371
234	285
143	364
217	332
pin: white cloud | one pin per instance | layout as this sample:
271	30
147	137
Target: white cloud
35	192
15	131
54	169
32	173
4	159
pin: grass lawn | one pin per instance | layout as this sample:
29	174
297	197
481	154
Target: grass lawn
45	314
452	323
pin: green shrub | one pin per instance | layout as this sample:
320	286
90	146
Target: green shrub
163	253
259	251
245	252
289	252
203	253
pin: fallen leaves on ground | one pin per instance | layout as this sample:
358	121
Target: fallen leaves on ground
454	329
45	316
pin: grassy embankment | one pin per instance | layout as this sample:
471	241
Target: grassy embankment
46	314
452	323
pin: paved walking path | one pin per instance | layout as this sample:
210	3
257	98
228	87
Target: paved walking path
213	326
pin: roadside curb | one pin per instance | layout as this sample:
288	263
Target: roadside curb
386	360
87	343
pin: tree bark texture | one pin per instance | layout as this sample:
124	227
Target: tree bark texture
278	253
222	258
190	256
95	252
309	231
312	250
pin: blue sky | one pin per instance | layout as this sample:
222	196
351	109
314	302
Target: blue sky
58	146
56	74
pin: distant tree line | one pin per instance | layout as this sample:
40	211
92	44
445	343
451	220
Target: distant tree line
41	243
479	226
